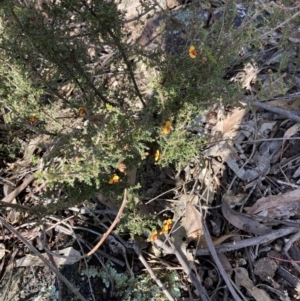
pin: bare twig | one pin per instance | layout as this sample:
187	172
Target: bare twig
122	242
227	247
276	110
280	25
283	260
18	190
5	181
291	279
198	285
153	276
43	259
285	8
155	198
272	139
105	235
218	262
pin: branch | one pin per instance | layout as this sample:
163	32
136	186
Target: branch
117	219
18	190
277	110
183	262
218	262
145	263
227	247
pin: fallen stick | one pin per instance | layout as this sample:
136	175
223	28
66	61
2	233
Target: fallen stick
227	247
117	219
150	271
218	263
19	189
183	262
274	109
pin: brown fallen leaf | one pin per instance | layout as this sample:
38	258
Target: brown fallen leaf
234	118
277	206
242	279
193	224
243	222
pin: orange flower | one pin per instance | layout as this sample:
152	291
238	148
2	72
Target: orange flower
167	226
157	155
81	111
166	128
114	179
153	236
192	52
32	119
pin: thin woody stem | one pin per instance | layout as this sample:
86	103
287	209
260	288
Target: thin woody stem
117	219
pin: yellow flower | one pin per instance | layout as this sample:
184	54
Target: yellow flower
166	128
192	52
81	111
167	226
157	155
32	119
114	179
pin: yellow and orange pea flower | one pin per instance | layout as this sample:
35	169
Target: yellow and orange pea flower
156	155
192	52
166	128
32	119
81	111
167	226
114	179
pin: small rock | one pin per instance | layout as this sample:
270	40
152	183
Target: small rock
265	267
